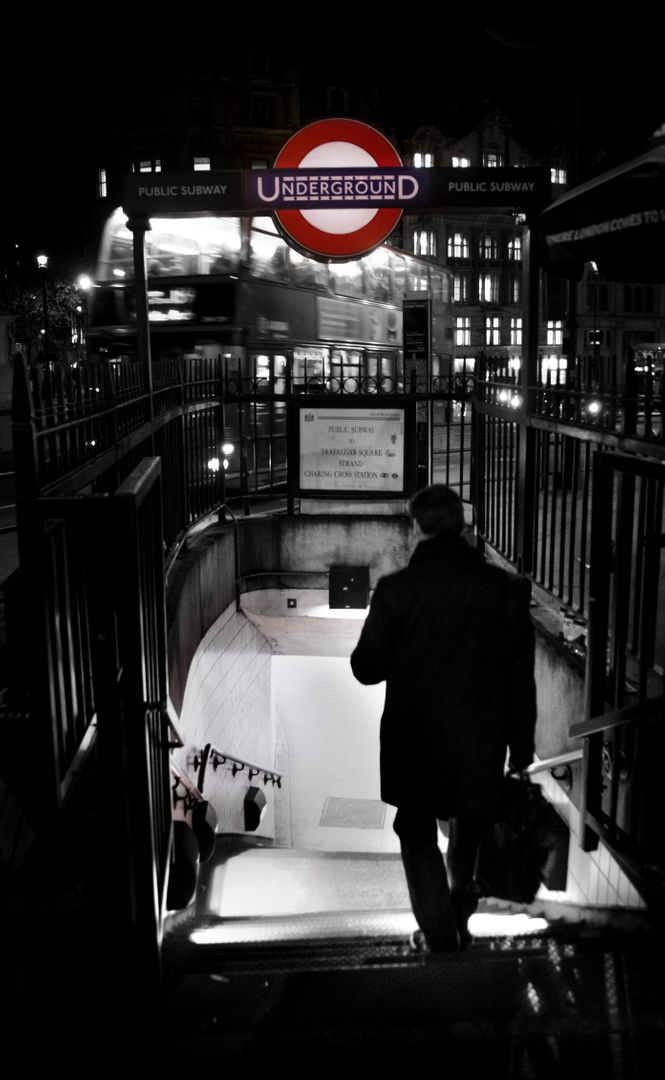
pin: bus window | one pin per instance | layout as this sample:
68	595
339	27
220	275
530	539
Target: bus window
308	366
193	246
438	283
115	256
265	224
280	369
377	275
308	272
169	254
347	278
262	369
175	247
219	242
269	257
399	277
417	276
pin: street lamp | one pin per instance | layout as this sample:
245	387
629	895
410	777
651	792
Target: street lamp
596	335
42	263
84	284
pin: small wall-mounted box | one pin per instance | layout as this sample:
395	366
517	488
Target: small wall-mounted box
348	587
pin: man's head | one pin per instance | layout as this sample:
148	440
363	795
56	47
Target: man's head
437	510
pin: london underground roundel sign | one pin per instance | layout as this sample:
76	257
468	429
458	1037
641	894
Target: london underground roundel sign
329	145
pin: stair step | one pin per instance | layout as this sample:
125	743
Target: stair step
542	1005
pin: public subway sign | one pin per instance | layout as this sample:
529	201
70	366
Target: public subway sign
337	190
351	450
256	191
319	212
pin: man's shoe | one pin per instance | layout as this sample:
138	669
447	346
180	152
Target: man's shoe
418	942
464	902
465	938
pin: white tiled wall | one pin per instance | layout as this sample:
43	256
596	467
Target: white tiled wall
227	703
594	878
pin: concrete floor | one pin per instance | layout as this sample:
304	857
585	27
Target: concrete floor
336	850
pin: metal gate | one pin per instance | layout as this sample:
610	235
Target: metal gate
624	726
94	632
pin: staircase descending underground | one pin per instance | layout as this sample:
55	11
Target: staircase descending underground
578	998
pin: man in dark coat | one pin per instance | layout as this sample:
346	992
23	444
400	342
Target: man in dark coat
453	639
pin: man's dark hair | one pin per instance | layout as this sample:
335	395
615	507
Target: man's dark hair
438	509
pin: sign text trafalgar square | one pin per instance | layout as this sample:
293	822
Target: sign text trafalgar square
337	190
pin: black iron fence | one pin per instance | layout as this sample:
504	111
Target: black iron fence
572	493
97	429
85	427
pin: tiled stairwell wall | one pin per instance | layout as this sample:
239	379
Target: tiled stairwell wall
227	702
219	678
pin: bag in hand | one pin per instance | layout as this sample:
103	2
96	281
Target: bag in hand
524	846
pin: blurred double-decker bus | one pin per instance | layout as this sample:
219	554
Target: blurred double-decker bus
230	292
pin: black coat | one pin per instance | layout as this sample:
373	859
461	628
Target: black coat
452	636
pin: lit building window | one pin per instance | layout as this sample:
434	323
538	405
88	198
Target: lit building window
488	288
516	331
102	184
424	242
489	249
461	162
492	159
201	164
554	332
458	246
259	163
146	165
558	176
594	338
553	370
423	161
515	249
493	330
463	331
460	288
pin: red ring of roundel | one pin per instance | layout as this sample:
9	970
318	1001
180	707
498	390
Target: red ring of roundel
306	235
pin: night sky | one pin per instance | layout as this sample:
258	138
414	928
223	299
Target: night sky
586	66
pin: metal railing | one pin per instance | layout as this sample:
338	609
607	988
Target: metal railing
211	756
573	493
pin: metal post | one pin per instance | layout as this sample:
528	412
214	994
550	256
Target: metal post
528	383
45	309
42	263
139	224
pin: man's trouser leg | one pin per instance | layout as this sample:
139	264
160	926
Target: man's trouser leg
426	878
464	836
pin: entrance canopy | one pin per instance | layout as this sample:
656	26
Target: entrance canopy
616	220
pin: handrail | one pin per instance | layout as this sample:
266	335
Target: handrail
554	762
616	717
192	796
211	755
284	573
178	546
222	510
